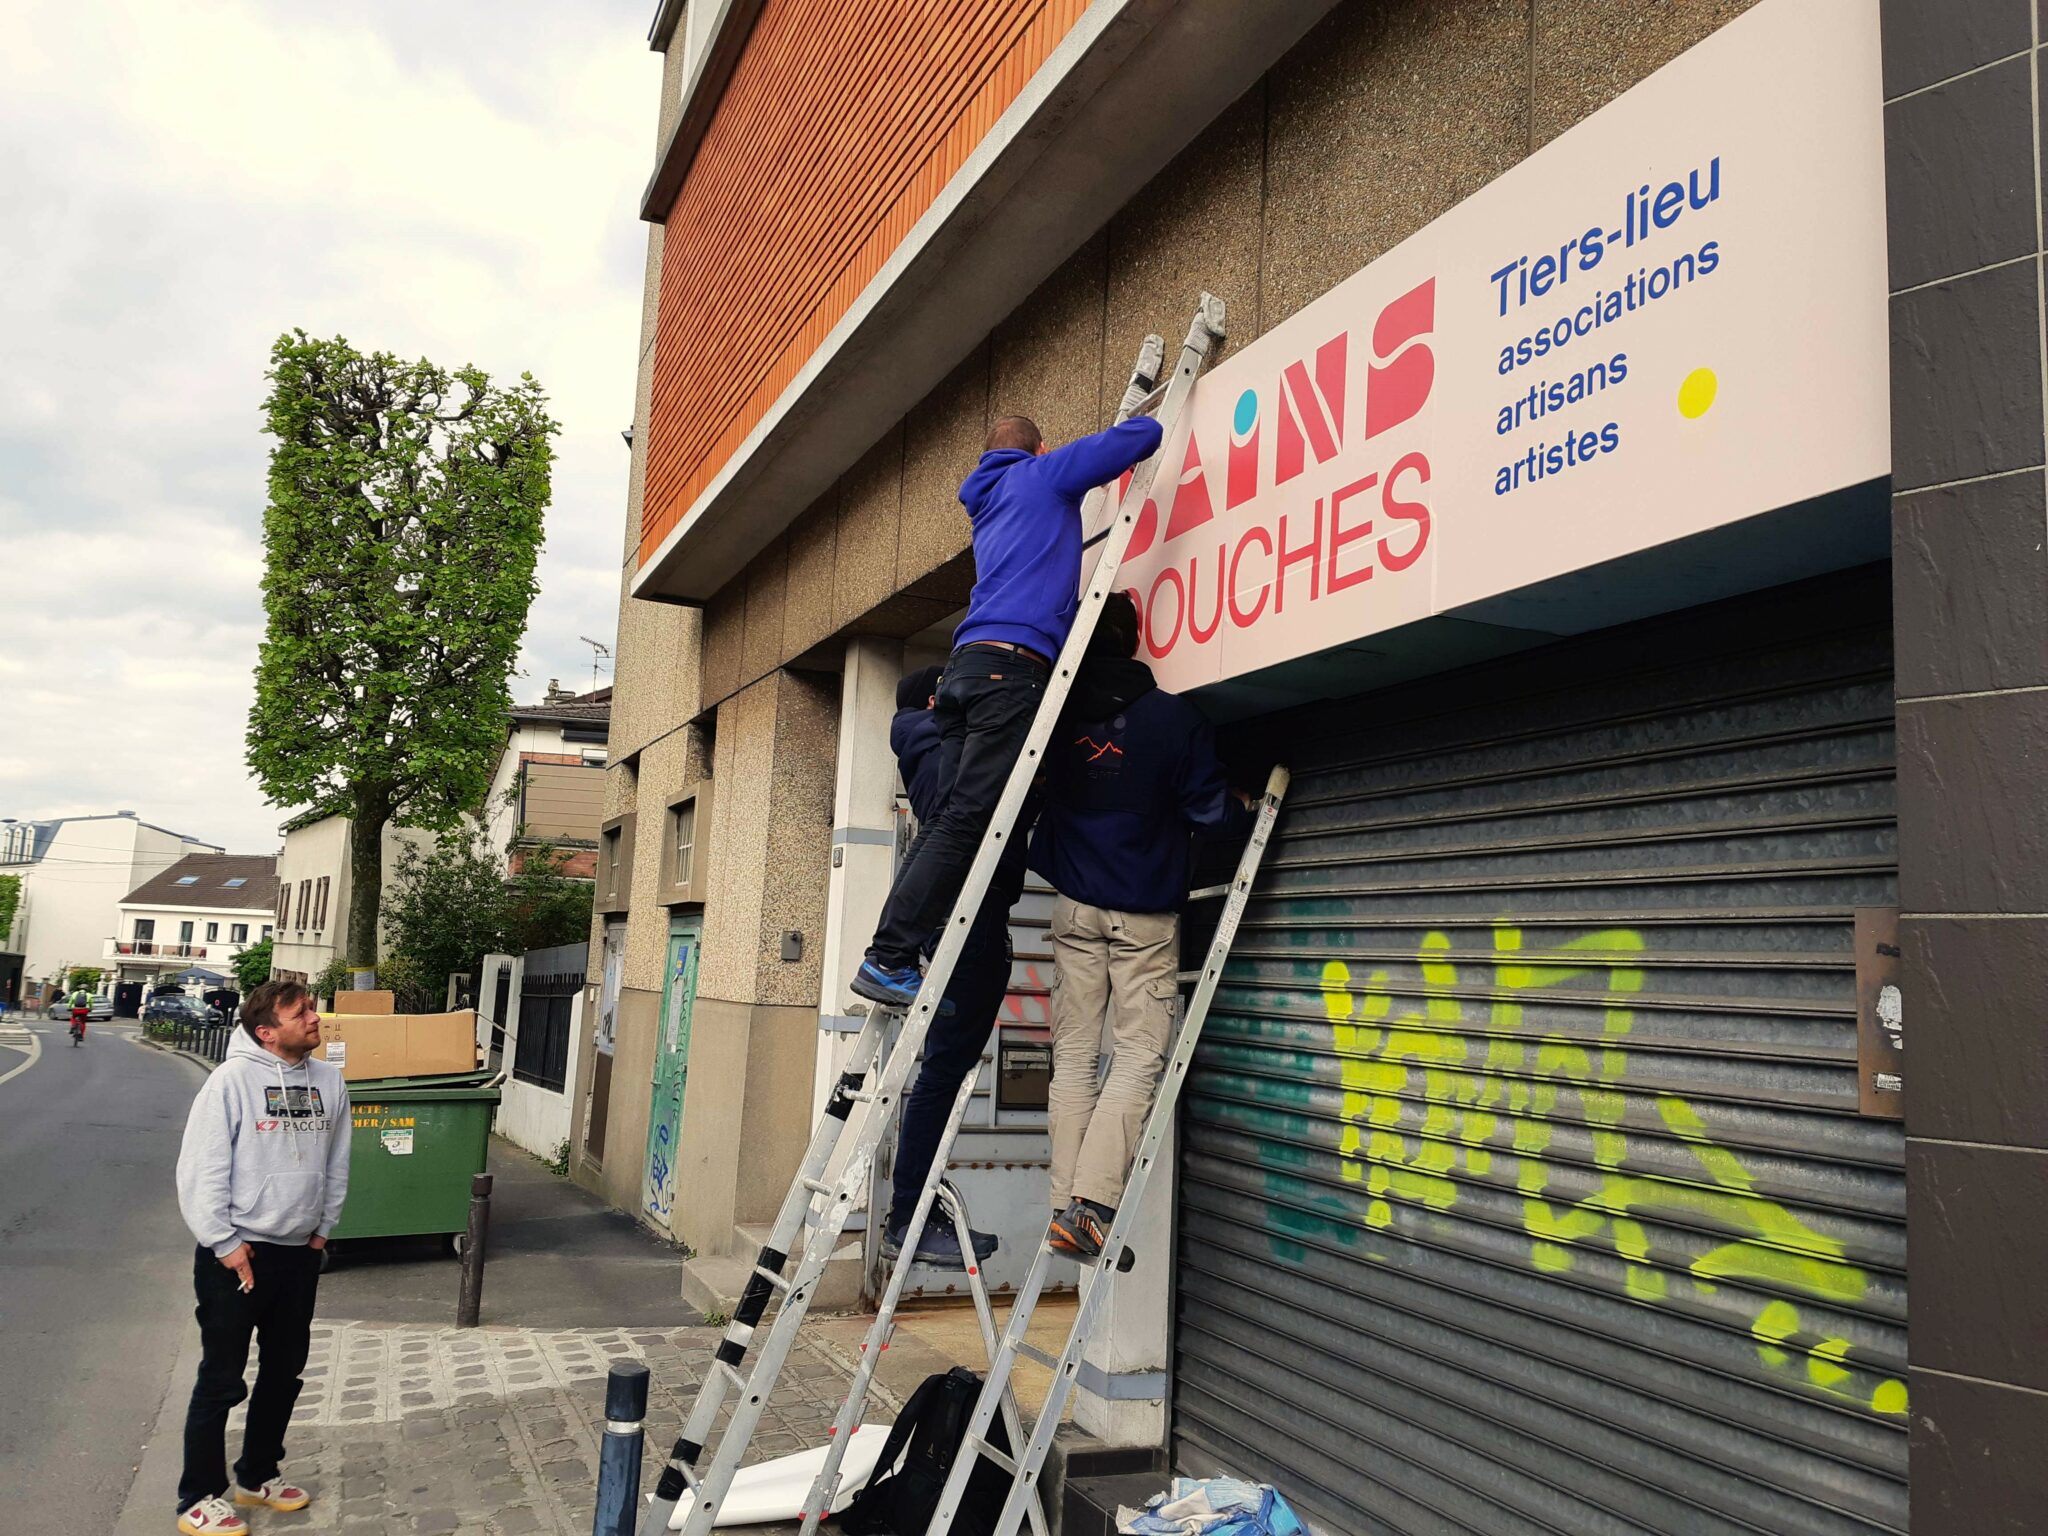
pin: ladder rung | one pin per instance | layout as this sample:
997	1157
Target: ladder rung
816	1186
731	1373
771	1277
1033	1353
1187	976
1209	892
1002	1459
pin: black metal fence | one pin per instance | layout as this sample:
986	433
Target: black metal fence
208	1040
547	1013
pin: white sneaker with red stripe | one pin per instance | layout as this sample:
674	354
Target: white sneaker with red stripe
275	1494
212	1517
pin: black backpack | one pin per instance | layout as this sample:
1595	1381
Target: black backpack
927	1436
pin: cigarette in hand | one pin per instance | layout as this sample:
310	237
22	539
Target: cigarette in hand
246	1287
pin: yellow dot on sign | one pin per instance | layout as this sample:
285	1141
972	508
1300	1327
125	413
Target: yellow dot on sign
1696	394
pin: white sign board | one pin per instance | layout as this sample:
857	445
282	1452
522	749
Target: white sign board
1670	318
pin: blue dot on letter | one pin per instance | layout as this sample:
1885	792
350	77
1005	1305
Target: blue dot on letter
1247	412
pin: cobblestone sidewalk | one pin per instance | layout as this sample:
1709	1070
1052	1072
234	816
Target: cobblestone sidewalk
406	1428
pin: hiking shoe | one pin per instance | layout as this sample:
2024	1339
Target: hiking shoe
1080	1230
212	1517
897	989
275	1494
938	1246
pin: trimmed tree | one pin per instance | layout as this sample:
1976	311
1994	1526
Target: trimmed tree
252	966
10	903
400	540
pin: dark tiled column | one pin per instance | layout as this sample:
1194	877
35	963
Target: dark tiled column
1964	179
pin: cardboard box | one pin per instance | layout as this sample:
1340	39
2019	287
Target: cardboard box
365	1002
398	1044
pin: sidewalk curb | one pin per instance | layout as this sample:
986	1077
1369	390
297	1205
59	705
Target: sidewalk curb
194	1057
147	1511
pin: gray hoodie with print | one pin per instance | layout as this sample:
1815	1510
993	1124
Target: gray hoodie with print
265	1158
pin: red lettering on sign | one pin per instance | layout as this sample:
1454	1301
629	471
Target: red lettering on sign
1395	392
1295	555
1341	535
1238	616
1415	512
1311	410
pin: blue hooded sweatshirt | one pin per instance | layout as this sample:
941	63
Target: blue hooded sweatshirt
914	738
1131	776
1027	533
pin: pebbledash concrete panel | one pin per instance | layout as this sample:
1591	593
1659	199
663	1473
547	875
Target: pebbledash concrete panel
1383	119
1584	53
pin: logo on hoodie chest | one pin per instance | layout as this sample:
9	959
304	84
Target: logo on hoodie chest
293	1109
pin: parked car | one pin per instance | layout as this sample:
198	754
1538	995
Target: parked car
102	1008
177	1009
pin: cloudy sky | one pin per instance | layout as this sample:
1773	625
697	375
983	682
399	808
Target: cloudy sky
450	178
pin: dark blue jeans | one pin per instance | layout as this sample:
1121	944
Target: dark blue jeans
278	1312
984	712
955	1041
952	1050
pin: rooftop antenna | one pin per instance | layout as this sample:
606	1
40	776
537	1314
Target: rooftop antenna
600	655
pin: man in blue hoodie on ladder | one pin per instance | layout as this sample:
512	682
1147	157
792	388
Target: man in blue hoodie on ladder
1024	500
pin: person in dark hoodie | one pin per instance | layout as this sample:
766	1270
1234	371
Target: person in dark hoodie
261	1178
1131	777
1024	500
981	979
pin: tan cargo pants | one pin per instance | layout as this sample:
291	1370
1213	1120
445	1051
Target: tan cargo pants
1123	966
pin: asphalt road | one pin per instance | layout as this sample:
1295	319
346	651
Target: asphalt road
95	1264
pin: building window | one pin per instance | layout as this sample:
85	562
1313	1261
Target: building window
145	929
188	879
305	899
320	904
184	933
237	883
284	904
238	933
268	930
212	932
683	831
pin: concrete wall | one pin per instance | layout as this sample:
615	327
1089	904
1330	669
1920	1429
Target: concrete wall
1970	592
1384	117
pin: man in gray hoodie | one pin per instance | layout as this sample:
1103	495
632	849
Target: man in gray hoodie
261	1179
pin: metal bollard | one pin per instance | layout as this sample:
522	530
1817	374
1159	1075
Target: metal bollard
472	1298
618	1457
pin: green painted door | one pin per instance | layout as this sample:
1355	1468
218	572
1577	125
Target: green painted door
671	1069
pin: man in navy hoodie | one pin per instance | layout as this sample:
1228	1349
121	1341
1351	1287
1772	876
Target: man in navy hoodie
1025	503
1131	777
981	979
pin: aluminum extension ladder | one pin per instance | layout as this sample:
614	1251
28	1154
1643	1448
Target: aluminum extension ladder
815	1210
995	1391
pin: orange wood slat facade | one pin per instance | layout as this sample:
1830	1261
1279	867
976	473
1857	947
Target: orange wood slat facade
837	132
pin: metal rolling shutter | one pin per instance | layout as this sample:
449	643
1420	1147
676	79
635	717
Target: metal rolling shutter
1522	1188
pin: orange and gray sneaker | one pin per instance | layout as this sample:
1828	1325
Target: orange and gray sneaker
275	1494
212	1517
1080	1230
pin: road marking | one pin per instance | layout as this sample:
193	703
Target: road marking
35	1053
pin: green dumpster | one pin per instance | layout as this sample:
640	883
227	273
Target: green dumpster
416	1142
